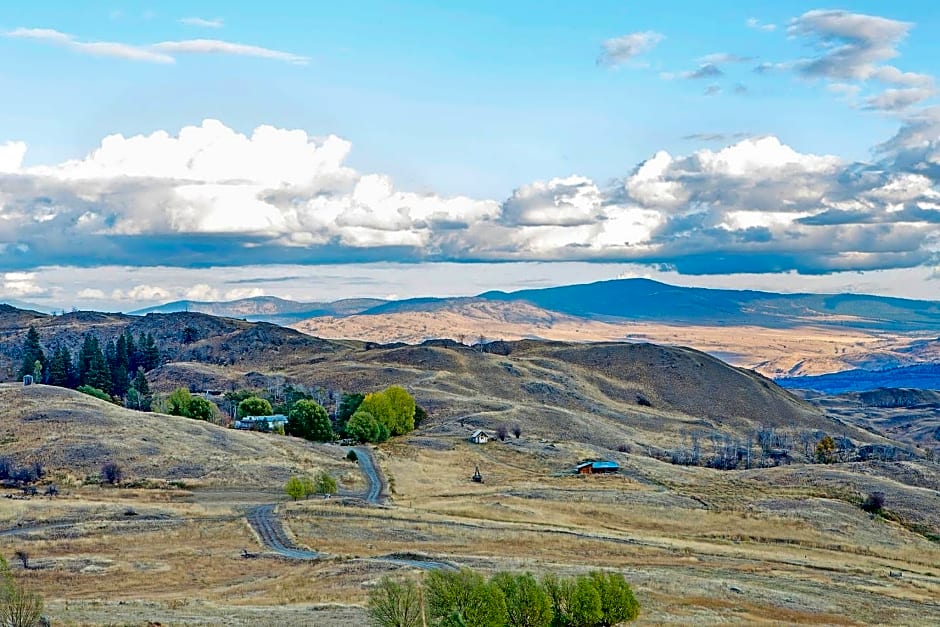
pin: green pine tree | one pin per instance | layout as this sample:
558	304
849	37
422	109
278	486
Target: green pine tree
93	367
133	355
141	391
32	352
60	368
150	353
120	379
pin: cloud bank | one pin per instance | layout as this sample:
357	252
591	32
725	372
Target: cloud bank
210	196
163	52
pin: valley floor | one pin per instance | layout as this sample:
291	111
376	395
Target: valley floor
784	545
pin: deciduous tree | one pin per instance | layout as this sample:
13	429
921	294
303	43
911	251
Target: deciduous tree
309	420
254	406
527	604
395	603
295	488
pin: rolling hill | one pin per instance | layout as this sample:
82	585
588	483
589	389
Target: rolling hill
605	394
777	334
266	308
72	433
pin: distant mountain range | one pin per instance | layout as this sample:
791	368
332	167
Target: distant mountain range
266	308
621	299
779	335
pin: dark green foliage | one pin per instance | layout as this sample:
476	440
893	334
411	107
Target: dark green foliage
464	597
189	335
138	395
93	391
32	352
177	403
119	364
395	603
351	456
111	473
133	354
348	405
61	372
874	503
92	367
291	396
149	353
324	484
254	406
584	605
363	427
421	416
181	403
201	409
527	603
309	420
617	601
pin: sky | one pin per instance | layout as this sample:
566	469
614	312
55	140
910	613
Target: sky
218	150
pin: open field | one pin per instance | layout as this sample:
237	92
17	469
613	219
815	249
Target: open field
786	545
810	347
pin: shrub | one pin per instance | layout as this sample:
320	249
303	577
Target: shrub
623	448
825	450
421	415
617	601
91	391
527	603
295	488
177	403
874	503
18	606
254	406
201	409
585	608
324	483
23	557
352	456
309	420
364	427
502	432
111	473
395	603
464	597
517	431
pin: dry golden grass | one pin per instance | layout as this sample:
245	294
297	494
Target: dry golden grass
798	350
73	434
774	546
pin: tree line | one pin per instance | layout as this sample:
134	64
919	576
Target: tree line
372	417
465	598
115	373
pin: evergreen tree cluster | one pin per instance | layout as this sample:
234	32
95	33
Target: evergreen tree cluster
117	371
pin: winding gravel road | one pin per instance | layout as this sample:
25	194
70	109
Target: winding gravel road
263	519
376	492
268	527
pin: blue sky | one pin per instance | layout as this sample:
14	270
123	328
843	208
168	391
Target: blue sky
800	139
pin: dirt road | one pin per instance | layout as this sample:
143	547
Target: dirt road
266	524
263	519
376	492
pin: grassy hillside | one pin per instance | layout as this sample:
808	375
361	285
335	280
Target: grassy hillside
72	433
